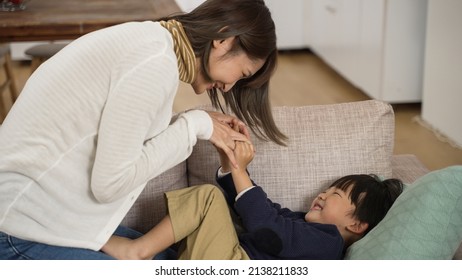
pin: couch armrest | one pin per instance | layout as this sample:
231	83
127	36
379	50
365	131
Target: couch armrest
407	167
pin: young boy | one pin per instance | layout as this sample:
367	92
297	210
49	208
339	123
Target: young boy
199	217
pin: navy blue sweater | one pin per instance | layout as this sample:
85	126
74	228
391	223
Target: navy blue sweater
272	232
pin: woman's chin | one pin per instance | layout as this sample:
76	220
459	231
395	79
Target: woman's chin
198	90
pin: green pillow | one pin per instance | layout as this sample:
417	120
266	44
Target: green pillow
425	222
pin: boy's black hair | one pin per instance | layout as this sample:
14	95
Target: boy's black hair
371	196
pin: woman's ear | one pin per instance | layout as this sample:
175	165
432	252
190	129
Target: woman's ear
358	227
224	44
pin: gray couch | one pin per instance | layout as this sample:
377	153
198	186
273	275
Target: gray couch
325	142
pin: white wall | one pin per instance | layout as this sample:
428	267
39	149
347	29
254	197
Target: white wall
188	5
442	94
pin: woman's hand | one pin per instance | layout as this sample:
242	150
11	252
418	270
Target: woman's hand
232	122
227	130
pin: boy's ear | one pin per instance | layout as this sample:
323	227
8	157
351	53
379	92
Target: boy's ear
358	227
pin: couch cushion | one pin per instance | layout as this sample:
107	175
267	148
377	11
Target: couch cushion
150	206
325	142
425	222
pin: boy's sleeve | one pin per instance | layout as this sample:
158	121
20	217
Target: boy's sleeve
256	208
227	184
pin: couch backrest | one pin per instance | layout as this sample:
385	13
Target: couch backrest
325	142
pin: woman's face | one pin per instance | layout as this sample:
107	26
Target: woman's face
225	68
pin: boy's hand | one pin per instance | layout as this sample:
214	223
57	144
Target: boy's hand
244	154
224	161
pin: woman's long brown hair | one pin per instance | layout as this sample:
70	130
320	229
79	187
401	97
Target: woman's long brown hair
250	22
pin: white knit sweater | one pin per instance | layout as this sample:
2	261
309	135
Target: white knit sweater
90	128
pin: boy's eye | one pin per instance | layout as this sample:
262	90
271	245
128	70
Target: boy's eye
337	193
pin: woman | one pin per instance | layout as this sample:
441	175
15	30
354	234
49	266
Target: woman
93	124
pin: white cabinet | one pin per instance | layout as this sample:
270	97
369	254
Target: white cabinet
378	45
290	21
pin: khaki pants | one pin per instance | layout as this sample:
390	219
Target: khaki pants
201	220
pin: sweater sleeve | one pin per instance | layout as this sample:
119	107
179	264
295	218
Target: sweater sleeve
135	140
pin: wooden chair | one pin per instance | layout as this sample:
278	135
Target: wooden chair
42	52
7	82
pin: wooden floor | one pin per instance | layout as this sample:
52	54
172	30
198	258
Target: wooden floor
304	79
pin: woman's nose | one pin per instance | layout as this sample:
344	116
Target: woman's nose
228	87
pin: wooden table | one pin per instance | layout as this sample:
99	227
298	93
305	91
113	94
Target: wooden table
68	19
